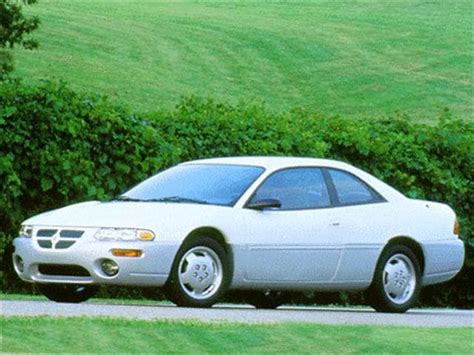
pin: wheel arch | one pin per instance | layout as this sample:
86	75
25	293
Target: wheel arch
218	236
409	242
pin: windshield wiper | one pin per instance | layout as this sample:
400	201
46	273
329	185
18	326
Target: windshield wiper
177	199
129	199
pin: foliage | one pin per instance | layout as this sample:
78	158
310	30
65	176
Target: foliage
58	147
347	57
14	30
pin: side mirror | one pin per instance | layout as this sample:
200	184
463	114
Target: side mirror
263	204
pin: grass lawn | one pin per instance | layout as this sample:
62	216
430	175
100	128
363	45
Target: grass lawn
356	58
44	334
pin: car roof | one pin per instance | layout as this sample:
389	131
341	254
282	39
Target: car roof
272	162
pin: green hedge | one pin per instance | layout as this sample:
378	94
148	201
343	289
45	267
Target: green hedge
58	147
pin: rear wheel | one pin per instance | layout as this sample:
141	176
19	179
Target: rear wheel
200	274
65	293
396	283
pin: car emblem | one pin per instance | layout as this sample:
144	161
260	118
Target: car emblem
55	239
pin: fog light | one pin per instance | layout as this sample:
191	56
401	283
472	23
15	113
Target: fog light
20	265
110	267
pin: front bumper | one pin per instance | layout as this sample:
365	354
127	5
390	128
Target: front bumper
150	269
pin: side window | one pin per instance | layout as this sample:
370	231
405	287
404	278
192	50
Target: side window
297	188
350	189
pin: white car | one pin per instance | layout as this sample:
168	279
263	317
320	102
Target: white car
265	225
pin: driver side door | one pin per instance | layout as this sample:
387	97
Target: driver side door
296	243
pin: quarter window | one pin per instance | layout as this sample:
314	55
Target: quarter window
350	189
297	188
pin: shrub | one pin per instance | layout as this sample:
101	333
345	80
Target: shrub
58	147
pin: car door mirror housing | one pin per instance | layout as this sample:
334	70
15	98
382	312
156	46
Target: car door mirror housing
264	204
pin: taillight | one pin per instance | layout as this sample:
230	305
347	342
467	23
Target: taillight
456	227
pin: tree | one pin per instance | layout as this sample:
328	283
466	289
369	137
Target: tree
14	30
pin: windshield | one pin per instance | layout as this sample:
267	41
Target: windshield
214	184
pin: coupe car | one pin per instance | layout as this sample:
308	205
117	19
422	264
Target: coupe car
264	226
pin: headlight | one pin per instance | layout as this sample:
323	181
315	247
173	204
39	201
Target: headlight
122	234
26	231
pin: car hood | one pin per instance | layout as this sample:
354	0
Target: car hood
123	214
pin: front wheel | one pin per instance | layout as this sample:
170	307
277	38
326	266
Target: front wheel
396	283
200	274
65	293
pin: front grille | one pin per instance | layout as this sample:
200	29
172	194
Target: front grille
46	233
62	270
45	244
66	233
63	244
49	238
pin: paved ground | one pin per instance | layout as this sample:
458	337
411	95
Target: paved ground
416	317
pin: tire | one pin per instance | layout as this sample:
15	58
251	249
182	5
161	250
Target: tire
65	293
200	274
397	281
265	300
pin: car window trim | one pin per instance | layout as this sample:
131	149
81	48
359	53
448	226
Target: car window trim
331	188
